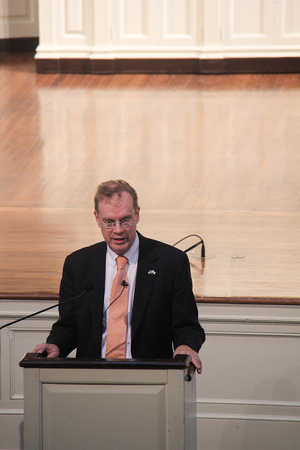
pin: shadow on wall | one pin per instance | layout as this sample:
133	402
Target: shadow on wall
21	429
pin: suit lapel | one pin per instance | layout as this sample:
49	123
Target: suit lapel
96	272
148	267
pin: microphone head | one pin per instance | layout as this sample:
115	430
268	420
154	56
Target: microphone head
124	283
88	285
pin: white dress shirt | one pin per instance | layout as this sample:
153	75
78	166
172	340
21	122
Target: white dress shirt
110	272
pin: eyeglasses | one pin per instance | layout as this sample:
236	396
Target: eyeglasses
125	223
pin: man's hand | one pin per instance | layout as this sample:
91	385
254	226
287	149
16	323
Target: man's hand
51	349
186	350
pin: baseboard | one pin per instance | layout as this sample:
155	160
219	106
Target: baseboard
18	45
170	66
251	65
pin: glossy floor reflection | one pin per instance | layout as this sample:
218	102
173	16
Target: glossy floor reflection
216	156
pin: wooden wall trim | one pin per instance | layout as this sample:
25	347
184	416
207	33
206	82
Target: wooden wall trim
170	66
28	296
219	300
249	300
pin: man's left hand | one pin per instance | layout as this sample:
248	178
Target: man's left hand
186	350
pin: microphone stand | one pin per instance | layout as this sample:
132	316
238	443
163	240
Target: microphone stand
43	310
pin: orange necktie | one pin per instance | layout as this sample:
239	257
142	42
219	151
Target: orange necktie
118	311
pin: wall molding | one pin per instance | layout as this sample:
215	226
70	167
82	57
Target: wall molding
235	410
11	412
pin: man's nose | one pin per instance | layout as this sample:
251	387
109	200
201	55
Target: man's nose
118	228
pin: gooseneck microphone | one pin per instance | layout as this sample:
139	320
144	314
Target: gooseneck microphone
195	245
87	285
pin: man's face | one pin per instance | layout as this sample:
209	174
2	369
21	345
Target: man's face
119	239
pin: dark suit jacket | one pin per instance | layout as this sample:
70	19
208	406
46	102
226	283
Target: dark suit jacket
164	308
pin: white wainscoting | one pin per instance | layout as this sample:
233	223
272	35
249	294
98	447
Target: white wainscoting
17	340
247	397
260	27
106	29
18	18
249	392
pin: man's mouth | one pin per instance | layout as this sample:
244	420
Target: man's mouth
118	240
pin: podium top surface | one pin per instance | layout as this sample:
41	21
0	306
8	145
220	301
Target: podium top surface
35	360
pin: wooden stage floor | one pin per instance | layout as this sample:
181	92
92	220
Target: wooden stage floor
216	156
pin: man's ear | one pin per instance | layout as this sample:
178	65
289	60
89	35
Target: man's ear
97	218
137	215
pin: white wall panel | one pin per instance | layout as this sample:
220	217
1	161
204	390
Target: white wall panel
22	341
247	23
177	22
18	339
291	16
74	22
178	17
154	24
74	11
15	8
248	17
134	14
287	22
133	23
210	22
18	18
242	363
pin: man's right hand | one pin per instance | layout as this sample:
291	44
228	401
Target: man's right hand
51	349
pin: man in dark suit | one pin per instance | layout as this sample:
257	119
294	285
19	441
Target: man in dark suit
162	318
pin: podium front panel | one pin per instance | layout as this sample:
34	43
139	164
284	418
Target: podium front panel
111	416
136	407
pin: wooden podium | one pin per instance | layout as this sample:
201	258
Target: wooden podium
109	404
